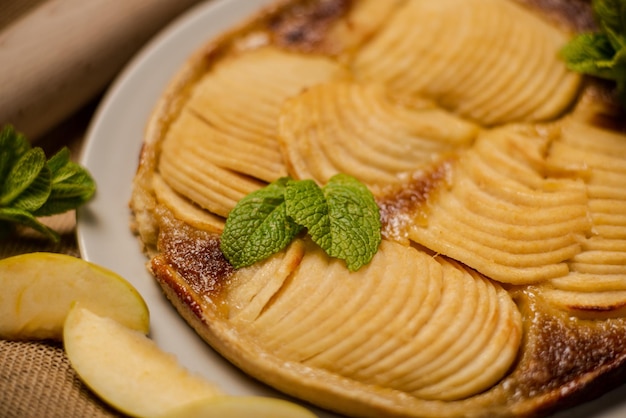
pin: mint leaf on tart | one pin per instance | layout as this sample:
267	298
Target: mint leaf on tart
354	221
342	218
602	54
307	206
258	226
611	17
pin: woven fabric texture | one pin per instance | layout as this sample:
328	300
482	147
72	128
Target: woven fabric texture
37	380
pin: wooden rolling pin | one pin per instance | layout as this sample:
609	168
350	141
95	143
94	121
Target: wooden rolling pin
64	53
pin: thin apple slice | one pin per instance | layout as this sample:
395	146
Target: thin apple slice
127	369
38	290
240	407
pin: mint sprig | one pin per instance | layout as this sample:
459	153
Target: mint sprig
32	186
258	226
602	53
342	218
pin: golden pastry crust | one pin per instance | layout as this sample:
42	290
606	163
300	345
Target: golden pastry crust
499	288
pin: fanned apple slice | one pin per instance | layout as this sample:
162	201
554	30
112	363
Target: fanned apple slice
384	325
447	365
210	142
38	290
471	339
209	186
289	317
473	70
596	284
205	184
502	216
127	369
242	96
184	209
235	107
420	299
358	129
494	349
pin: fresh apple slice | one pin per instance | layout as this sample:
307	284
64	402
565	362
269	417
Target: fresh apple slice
240	407
38	290
127	369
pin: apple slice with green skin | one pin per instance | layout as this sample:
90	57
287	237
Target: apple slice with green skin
241	407
128	370
38	290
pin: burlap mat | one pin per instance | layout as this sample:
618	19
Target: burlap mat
37	381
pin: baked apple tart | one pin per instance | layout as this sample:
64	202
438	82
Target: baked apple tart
498	288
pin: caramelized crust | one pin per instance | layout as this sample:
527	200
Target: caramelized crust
304	25
573	14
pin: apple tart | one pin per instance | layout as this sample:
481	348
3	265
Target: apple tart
499	286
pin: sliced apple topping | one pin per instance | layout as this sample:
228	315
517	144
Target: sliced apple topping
407	321
191	134
235	107
504	215
241	96
359	130
38	290
596	284
206	184
459	53
185	209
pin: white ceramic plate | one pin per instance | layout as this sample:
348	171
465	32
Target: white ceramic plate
111	154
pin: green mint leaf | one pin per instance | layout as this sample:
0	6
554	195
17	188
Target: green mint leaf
611	18
58	161
258	226
602	54
71	185
342	218
592	54
307	206
620	71
12	146
354	222
23	217
30	186
36	194
22	175
60	202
